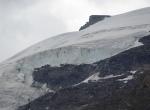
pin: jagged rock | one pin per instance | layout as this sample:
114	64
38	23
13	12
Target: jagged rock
105	95
94	19
64	76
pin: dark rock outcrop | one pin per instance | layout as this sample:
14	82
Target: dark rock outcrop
62	77
108	94
94	19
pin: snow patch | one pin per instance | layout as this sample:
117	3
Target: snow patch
125	80
45	89
137	43
110	76
94	77
133	71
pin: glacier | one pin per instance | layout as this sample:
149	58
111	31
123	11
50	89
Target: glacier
100	41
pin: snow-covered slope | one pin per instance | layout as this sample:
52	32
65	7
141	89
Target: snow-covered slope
101	40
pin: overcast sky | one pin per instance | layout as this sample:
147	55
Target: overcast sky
25	22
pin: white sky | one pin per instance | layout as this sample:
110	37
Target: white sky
25	22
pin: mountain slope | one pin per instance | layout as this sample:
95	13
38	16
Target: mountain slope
121	82
96	43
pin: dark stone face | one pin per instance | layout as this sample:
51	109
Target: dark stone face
94	19
108	94
105	94
145	40
64	76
